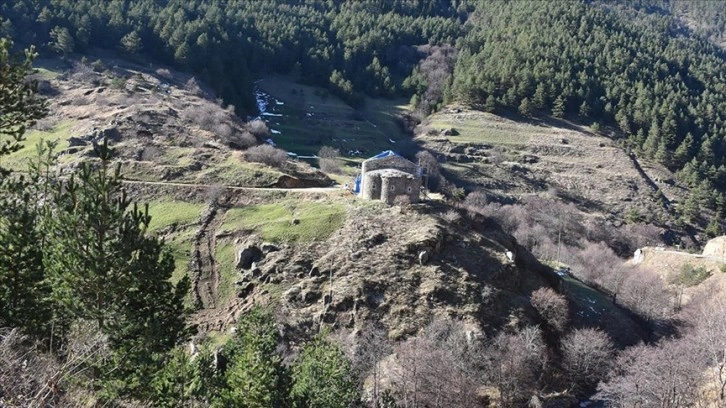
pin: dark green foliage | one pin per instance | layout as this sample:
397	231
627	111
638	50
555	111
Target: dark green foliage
255	376
131	43
690	276
322	376
61	40
623	64
103	267
713	229
19	104
370	43
76	251
177	381
23	291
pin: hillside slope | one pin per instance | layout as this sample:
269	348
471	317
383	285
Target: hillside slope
161	123
338	260
515	159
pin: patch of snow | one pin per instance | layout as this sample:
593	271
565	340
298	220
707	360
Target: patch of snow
275	132
270	142
261	101
270	114
391	140
279	102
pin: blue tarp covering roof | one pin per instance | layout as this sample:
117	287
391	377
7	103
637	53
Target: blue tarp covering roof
386	154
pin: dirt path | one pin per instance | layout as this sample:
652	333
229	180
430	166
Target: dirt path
203	263
193	185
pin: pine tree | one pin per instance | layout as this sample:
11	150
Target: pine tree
322	376
62	40
525	108
684	151
131	43
106	269
540	98
255	376
175	384
19	103
662	154
491	104
584	110
23	290
650	146
558	108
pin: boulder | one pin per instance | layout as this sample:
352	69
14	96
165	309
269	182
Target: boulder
248	256
715	247
268	247
245	290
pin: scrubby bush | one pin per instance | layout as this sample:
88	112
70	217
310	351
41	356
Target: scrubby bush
164	73
329	161
258	128
192	86
690	275
208	117
475	199
241	140
266	154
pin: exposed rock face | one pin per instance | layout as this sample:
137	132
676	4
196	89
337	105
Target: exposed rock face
372	270
400	271
715	247
247	257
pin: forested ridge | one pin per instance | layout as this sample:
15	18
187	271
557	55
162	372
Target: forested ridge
663	88
356	47
634	65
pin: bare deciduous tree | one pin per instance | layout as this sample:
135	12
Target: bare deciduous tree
435	369
266	154
552	307
514	363
645	293
586	357
371	347
667	375
31	377
710	334
430	166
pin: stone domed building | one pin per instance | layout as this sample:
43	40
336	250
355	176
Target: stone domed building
387	176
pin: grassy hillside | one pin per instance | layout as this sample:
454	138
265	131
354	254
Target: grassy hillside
308	118
515	158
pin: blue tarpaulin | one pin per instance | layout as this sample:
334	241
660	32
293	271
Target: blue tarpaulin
356	186
386	154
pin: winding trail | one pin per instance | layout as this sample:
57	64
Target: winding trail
237	188
203	264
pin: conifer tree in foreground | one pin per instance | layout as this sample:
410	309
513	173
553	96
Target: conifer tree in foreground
22	290
104	268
